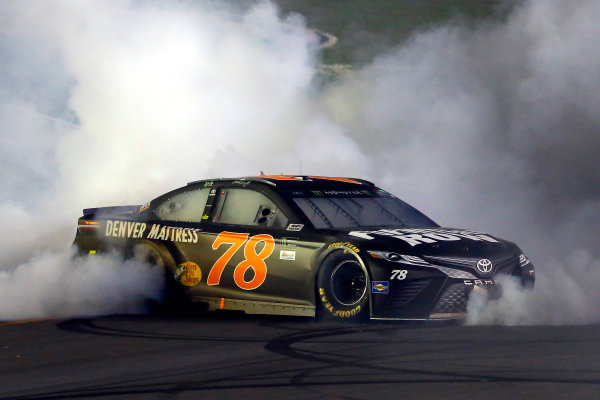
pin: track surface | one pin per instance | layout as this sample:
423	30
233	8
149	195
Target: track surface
231	356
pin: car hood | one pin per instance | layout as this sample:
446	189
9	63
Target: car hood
446	242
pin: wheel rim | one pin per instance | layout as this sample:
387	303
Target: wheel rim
348	283
148	255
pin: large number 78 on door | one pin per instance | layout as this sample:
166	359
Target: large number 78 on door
252	258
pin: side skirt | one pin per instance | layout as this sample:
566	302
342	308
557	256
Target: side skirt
255	307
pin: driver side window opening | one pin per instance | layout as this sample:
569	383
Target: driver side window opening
247	207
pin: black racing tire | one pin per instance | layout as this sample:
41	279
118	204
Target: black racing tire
173	299
342	288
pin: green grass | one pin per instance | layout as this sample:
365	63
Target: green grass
365	28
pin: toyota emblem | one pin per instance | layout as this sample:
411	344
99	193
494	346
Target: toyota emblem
484	265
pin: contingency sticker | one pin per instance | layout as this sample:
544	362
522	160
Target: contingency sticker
188	274
288	255
295	227
380	287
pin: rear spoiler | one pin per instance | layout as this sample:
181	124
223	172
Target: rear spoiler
113	212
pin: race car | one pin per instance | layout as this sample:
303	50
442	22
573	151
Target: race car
339	248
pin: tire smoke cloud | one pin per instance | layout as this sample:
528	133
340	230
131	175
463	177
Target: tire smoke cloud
494	127
491	127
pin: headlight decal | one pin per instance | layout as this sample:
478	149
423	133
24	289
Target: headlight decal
419	262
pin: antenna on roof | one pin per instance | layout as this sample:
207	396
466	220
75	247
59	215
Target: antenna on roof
262	173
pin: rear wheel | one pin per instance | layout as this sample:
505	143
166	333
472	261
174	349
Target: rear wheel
342	285
173	298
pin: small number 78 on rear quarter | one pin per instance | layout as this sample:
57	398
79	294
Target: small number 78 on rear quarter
338	248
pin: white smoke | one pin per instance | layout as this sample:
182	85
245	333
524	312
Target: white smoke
562	296
496	128
491	127
54	283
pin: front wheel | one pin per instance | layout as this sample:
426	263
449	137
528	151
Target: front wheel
342	285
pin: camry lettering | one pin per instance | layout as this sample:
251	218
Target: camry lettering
415	237
478	282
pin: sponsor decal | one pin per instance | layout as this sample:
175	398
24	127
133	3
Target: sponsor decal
415	237
295	227
208	184
484	266
125	229
345	244
343	193
173	233
288	255
139	230
380	287
340	193
188	274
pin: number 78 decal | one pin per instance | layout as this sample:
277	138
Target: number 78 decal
399	274
252	258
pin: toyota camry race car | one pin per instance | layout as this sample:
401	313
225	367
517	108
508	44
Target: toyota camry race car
304	245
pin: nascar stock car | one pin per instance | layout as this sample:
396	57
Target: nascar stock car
304	245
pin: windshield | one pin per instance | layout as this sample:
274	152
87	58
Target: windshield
358	208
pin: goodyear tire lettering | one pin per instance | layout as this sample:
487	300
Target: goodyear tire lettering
338	312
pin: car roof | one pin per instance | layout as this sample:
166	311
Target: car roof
297	181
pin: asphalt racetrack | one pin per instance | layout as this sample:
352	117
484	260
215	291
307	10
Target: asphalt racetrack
232	356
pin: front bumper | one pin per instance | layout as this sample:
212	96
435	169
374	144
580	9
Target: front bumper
431	294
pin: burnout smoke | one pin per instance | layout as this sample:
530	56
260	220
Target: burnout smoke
55	283
491	127
494	128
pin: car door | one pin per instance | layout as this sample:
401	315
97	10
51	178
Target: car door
248	253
